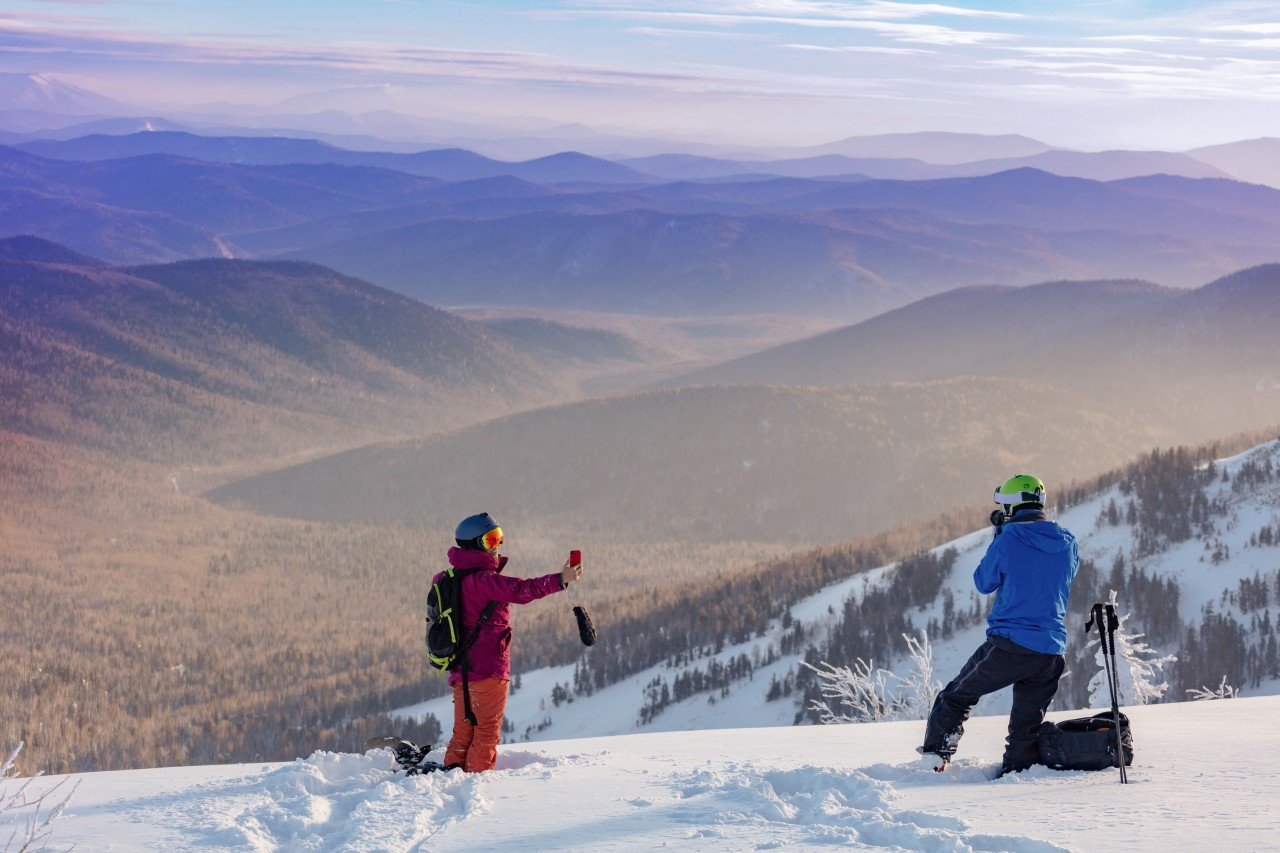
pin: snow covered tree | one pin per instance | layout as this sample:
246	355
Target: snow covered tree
26	817
1138	665
1223	691
866	694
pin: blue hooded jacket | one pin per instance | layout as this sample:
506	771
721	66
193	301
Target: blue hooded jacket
1029	565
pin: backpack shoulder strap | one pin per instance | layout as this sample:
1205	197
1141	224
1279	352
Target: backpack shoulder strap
467	712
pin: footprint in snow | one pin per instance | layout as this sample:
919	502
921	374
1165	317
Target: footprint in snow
337	801
815	805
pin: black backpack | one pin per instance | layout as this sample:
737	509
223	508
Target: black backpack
446	647
1086	743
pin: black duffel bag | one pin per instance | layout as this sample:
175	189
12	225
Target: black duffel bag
1086	743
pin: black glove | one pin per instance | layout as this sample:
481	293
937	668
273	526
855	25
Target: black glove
998	519
586	630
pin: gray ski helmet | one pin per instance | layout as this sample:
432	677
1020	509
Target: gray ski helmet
471	528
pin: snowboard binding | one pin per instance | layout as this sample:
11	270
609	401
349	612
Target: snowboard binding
410	756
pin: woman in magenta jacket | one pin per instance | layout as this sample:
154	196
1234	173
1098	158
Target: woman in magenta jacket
474	747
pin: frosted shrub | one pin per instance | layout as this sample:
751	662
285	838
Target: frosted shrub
1139	666
27	818
866	694
860	693
1223	691
918	687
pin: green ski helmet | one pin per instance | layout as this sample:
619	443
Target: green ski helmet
1020	490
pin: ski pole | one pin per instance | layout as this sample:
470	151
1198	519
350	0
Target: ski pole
1098	615
1113	624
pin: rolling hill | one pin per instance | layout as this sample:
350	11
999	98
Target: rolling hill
710	463
1250	160
216	196
1094	165
104	230
1100	165
1204	360
209	360
968	331
932	146
1036	199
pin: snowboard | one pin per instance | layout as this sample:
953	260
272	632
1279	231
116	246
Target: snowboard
410	756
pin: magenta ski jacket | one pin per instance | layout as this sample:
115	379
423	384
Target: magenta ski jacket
490	656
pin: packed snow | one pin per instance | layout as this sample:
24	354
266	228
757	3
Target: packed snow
1202	777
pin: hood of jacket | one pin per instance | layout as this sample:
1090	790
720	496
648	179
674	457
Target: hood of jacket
1046	536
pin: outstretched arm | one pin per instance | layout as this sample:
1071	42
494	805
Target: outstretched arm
496	587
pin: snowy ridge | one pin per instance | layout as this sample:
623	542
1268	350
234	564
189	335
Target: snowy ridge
1199	779
1201	577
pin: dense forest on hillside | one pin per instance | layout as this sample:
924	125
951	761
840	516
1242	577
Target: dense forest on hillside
715	463
207	361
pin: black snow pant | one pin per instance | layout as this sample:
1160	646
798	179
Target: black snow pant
998	663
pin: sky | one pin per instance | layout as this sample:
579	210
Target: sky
1091	74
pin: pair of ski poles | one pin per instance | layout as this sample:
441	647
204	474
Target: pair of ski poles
1105	616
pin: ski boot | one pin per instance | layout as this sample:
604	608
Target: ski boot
940	756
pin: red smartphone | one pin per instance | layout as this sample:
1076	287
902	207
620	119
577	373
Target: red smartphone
575	558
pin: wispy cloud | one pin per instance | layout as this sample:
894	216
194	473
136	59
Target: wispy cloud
380	60
1267	29
670	32
898	21
783	9
857	48
35	20
1138	38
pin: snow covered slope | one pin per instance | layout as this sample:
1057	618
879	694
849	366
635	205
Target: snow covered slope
1241	496
1199	780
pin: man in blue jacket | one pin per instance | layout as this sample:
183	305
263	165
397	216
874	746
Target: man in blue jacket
1029	566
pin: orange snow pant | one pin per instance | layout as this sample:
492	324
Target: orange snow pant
475	748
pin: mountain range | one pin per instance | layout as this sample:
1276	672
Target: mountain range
797	246
449	163
1099	166
578	233
569	166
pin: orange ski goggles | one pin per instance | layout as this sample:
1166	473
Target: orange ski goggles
492	539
